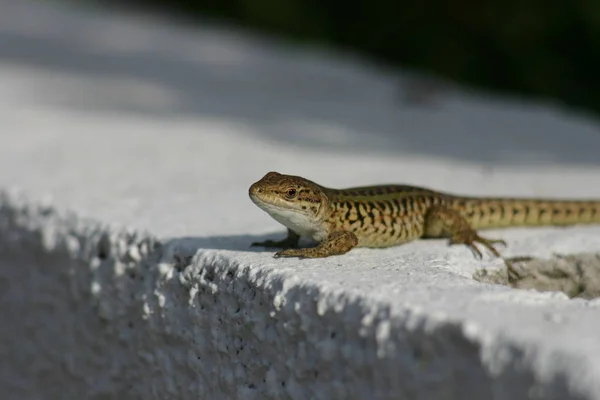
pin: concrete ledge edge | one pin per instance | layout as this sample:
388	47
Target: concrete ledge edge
215	327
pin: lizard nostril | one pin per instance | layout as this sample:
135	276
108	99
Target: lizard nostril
255	189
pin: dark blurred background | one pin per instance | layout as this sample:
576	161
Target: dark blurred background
541	49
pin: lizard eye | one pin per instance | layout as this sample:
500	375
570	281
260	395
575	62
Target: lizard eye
290	194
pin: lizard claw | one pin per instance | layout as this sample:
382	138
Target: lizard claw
470	238
288	253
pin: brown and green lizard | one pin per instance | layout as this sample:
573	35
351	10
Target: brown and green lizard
389	215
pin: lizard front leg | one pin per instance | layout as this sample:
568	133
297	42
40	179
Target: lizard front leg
443	222
338	242
290	242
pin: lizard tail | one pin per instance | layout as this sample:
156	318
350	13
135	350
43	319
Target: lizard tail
486	213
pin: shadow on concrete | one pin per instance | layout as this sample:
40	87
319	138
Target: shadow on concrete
226	242
281	95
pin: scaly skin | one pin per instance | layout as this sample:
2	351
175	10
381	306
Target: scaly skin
389	215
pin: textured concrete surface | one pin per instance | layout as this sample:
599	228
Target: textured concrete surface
117	126
576	275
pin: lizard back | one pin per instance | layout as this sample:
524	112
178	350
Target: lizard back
382	215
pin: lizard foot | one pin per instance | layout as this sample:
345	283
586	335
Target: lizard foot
443	221
470	237
337	243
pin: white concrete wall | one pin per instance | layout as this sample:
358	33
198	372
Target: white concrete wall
92	312
125	266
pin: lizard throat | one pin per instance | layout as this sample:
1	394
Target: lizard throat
303	224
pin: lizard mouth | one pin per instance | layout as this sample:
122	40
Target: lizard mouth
272	204
263	201
257	200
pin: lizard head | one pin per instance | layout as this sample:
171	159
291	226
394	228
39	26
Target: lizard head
291	200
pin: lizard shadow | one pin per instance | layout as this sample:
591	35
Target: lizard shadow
189	245
240	243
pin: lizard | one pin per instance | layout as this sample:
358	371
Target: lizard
388	215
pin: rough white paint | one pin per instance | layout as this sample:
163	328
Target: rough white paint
137	123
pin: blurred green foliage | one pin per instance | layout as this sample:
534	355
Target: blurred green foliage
546	48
